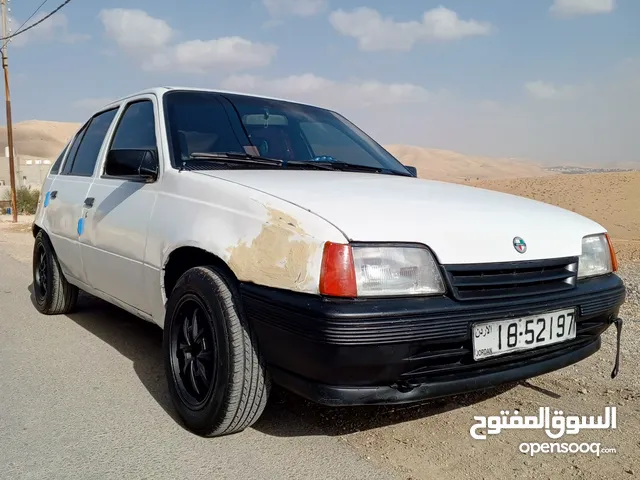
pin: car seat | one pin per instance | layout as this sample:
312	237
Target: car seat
272	142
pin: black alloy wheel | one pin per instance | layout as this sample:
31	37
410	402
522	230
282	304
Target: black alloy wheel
40	274
53	294
193	355
216	376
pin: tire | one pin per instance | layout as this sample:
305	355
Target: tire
219	347
53	294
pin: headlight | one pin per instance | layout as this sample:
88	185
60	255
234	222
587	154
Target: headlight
375	271
597	256
382	271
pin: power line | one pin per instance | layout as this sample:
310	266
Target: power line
4	44
20	32
31	16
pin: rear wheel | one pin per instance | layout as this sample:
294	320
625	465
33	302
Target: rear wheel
217	380
53	294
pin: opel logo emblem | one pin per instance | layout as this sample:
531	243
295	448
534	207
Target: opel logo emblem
520	245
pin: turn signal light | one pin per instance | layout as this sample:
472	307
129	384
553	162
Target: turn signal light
338	274
612	252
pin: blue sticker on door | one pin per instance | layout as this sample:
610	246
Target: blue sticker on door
47	198
80	226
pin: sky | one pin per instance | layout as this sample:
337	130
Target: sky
552	81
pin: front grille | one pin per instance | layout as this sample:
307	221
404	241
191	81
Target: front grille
458	358
512	279
460	362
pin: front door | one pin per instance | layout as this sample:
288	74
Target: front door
113	245
68	191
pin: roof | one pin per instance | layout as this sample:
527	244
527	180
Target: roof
159	91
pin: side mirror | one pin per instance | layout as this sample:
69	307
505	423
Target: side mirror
132	164
412	170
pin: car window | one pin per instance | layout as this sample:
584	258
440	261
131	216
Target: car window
83	160
198	122
55	168
307	133
326	140
73	150
136	128
213	122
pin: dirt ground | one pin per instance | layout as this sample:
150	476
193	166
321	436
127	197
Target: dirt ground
433	440
611	199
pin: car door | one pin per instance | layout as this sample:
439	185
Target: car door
118	212
66	194
47	187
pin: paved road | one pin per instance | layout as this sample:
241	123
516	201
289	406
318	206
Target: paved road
84	396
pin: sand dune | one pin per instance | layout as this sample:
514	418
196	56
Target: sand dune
36	138
45	139
611	199
457	167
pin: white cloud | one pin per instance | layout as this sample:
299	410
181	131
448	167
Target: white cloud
151	42
298	8
198	56
327	93
548	91
581	7
55	27
135	30
375	32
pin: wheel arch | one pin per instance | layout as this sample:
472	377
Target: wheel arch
35	229
184	257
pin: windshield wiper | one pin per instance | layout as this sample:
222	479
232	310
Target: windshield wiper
255	159
236	157
239	157
344	166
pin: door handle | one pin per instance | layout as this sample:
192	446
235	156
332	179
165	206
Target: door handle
53	194
88	202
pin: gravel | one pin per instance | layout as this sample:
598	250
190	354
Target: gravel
630	274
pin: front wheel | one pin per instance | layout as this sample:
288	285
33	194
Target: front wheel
217	380
53	294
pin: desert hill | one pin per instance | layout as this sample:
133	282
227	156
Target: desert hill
45	139
611	199
457	167
36	138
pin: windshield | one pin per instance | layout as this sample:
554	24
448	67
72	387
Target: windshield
207	122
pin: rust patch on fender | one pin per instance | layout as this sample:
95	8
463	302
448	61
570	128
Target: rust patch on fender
278	257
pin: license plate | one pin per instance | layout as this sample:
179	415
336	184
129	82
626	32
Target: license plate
499	337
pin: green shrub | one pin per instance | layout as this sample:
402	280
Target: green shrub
27	199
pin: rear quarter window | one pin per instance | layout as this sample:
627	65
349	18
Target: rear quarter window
55	168
83	154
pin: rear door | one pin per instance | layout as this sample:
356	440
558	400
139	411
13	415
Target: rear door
113	245
68	191
47	186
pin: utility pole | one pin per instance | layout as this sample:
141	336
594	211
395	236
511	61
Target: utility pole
5	67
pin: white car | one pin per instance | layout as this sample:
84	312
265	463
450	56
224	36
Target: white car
275	242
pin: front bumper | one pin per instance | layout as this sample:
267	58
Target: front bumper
384	351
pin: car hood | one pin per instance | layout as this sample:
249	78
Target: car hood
461	224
